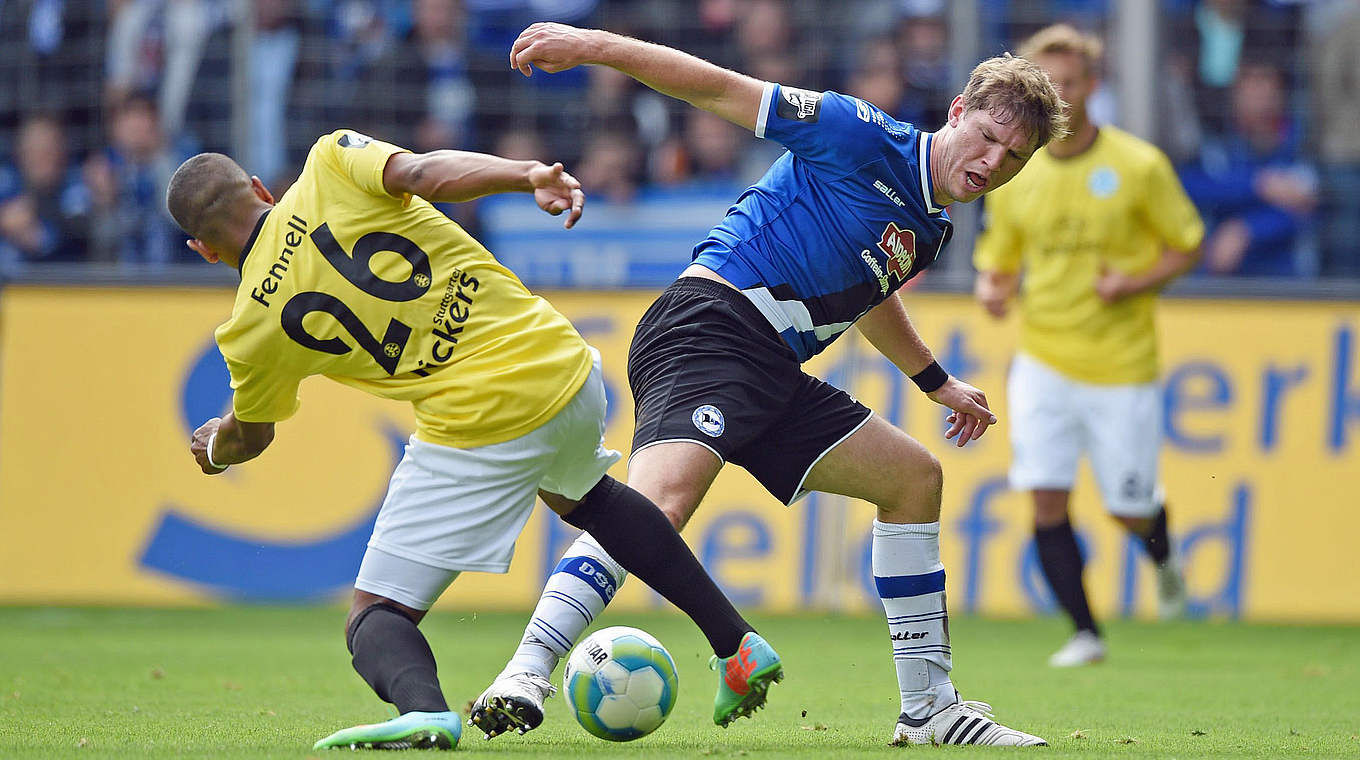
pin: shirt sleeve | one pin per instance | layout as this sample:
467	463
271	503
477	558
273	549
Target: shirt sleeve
998	247
361	159
1168	209
830	130
262	394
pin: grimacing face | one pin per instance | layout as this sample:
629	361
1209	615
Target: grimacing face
982	153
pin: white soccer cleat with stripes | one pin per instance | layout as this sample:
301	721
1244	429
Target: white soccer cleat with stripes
961	723
513	702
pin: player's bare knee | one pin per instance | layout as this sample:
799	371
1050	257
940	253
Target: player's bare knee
677	510
917	498
1050	508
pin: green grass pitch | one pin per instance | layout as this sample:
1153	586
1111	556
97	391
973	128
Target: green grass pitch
265	682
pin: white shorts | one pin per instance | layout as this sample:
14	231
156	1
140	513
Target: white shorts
1054	419
449	510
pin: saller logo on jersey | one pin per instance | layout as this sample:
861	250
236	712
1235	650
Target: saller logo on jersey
899	246
799	105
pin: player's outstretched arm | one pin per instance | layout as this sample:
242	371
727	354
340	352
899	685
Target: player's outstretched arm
558	47
454	176
888	328
222	442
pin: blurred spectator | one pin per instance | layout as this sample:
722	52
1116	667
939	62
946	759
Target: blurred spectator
1207	44
609	169
923	49
1336	85
877	78
274	55
521	145
708	155
126	182
50	56
1253	186
42	204
157	45
417	94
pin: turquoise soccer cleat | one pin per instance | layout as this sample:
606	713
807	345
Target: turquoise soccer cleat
414	730
744	679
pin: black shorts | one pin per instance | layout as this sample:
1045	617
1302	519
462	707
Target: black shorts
705	366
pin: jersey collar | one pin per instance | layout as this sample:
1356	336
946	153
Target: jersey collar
927	186
250	241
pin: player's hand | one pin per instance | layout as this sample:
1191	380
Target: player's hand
994	289
1113	285
198	446
971	415
556	191
551	47
992	298
1225	249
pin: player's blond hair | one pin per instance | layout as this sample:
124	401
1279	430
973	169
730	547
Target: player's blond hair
1064	39
1011	88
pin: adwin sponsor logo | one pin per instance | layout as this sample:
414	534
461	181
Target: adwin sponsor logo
709	420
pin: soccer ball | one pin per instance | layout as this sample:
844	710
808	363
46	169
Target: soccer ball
620	683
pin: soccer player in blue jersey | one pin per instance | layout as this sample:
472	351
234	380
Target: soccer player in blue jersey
822	242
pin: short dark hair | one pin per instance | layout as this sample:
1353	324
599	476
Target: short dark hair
203	192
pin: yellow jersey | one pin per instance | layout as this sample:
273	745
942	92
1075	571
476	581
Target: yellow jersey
390	296
1117	205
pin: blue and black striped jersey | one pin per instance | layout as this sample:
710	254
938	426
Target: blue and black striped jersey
838	223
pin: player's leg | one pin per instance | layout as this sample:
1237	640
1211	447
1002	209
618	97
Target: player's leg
884	466
447	510
677	472
1126	442
391	654
1047	438
582	584
1062	562
675	477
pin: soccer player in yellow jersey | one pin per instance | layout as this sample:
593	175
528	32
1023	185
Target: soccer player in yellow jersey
353	274
1099	224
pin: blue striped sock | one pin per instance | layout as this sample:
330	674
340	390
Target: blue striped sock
910	581
580	587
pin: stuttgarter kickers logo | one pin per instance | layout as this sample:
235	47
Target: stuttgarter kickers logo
709	420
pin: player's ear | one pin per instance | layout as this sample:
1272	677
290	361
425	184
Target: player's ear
956	110
260	190
202	249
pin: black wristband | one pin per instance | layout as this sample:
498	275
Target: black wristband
931	378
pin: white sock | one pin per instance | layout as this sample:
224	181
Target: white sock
910	581
584	581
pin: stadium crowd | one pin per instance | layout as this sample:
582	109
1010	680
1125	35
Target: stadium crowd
101	100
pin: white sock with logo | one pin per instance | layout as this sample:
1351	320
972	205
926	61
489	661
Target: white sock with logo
910	581
580	587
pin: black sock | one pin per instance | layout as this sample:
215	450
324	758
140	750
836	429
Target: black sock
1062	562
1156	542
640	538
393	657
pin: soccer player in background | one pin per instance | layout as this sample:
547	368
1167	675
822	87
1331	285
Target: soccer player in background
1098	223
822	242
353	274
